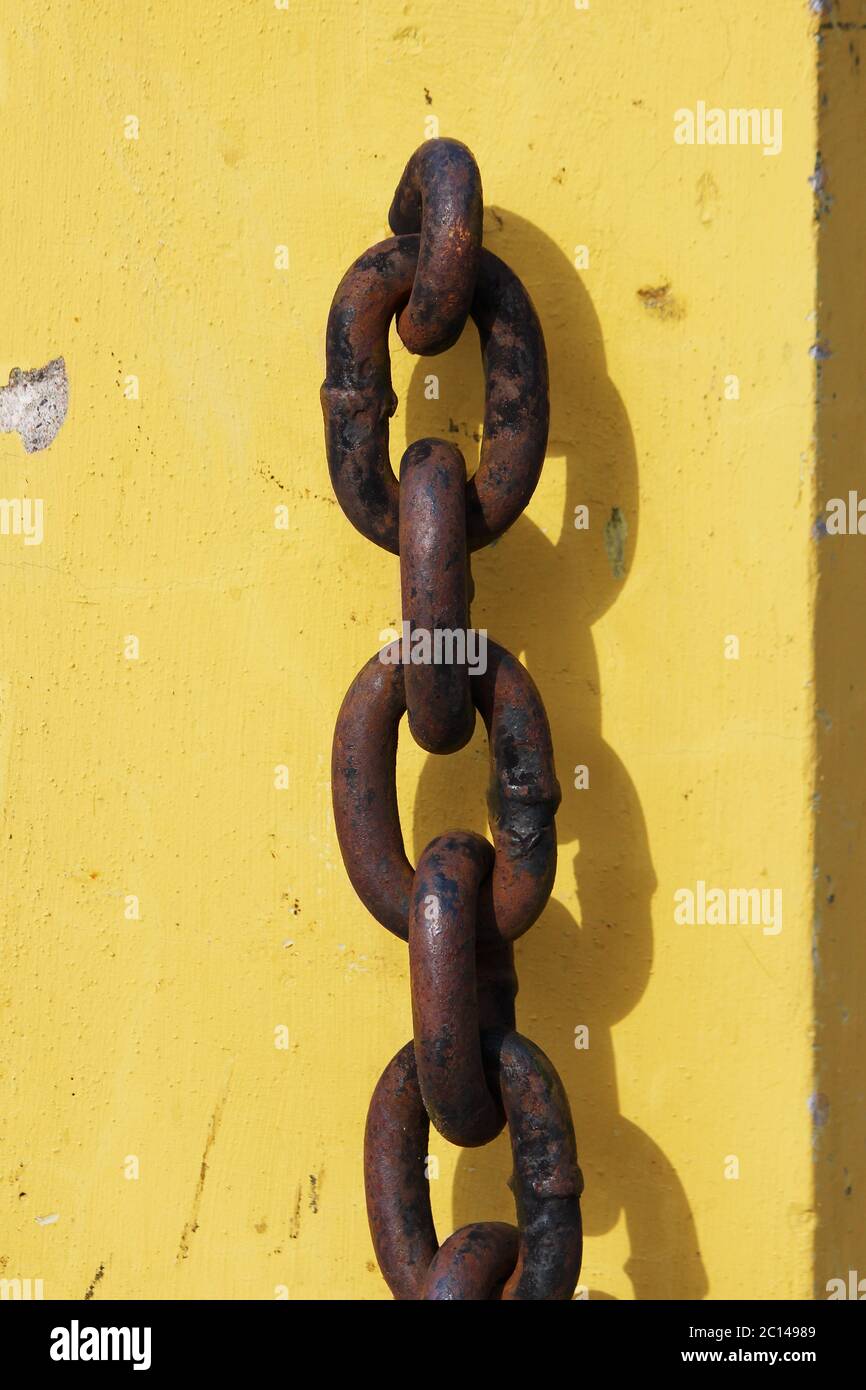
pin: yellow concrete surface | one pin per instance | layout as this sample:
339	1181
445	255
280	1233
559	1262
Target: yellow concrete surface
195	1007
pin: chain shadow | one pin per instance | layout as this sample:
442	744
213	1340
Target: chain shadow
539	594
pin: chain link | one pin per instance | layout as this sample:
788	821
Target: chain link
466	1069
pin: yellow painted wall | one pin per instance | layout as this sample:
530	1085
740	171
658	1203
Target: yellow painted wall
155	258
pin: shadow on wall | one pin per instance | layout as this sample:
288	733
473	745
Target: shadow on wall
539	594
838	1111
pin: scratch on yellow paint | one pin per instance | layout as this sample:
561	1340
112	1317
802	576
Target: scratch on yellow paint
191	1225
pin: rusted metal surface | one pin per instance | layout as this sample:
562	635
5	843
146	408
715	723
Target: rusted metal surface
466	1069
546	1181
442	966
522	798
516	403
439	195
364	791
434	581
358	398
473	1264
395	1178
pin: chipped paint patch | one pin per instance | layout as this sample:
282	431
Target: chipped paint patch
818	183
706	199
47	1220
35	404
659	300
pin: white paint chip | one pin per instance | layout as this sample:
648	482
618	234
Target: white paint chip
35	404
48	1220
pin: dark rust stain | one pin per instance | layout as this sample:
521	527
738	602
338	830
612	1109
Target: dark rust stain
659	300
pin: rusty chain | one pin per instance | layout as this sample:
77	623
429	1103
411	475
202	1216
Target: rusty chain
467	1070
